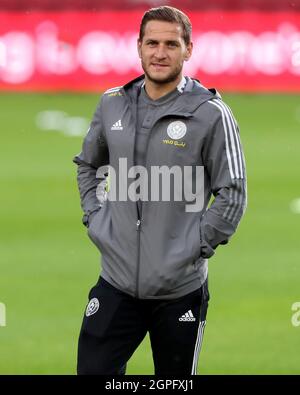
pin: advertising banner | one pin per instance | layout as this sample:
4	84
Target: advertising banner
86	51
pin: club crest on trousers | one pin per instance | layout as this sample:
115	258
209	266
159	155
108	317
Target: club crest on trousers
92	307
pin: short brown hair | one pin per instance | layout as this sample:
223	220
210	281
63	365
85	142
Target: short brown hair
167	14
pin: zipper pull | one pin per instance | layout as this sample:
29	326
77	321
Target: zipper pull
138	224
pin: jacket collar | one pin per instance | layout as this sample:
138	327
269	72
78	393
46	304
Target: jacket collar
193	96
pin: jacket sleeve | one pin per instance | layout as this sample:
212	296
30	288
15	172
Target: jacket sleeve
94	154
224	161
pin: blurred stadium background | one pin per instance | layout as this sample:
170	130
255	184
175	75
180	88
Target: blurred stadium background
56	58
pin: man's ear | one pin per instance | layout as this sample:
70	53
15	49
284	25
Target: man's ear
189	51
139	44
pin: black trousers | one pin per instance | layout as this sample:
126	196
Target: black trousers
115	324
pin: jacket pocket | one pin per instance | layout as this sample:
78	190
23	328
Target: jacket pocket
96	228
198	262
199	238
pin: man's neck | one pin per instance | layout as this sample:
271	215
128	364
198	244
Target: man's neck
157	90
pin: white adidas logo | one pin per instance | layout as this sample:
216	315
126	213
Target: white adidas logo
117	126
187	316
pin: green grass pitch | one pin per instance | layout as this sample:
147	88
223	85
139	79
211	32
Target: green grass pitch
48	264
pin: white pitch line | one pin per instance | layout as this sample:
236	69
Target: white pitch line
295	206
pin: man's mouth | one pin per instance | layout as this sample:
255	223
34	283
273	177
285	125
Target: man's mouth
159	65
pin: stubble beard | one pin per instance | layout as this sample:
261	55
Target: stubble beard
161	81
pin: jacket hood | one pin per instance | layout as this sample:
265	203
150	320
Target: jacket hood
194	88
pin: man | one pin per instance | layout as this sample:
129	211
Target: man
155	252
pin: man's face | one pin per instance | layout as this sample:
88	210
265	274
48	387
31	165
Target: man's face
163	51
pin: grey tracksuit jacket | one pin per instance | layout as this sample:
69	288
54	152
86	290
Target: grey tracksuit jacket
164	254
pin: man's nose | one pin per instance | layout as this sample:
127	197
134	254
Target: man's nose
160	52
